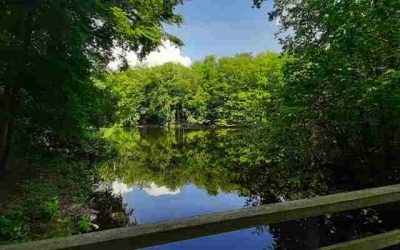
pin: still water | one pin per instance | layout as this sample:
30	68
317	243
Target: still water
155	204
165	174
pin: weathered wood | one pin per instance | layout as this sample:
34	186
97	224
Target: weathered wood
197	226
378	241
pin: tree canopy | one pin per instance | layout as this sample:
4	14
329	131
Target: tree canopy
49	52
340	90
225	91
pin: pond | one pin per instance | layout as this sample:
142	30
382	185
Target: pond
165	174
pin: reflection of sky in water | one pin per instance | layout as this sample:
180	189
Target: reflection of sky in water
151	189
152	203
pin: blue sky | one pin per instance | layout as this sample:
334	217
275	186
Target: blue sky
212	27
224	28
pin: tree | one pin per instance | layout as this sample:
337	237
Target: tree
239	89
228	91
341	88
50	49
167	94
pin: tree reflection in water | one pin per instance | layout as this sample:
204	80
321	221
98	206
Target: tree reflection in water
244	161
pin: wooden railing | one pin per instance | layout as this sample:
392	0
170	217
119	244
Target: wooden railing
187	228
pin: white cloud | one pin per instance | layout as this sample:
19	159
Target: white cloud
154	190
120	188
168	52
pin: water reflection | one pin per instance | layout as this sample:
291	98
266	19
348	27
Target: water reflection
152	189
167	174
243	239
189	201
315	232
120	188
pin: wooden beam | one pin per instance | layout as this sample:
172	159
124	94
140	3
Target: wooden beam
187	228
378	241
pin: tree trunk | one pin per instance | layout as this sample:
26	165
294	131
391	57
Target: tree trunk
11	94
5	103
3	142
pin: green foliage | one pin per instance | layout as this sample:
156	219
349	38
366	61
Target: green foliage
50	51
37	212
340	94
37	215
239	89
165	94
50	107
13	228
60	202
85	224
228	91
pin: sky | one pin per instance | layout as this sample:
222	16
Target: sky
214	27
224	28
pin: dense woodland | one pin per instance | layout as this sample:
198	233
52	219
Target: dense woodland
224	91
331	98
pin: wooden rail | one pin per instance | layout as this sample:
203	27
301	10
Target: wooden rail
187	228
374	242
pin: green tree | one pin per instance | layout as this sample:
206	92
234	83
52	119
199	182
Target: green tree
239	89
227	91
50	49
167	94
341	89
